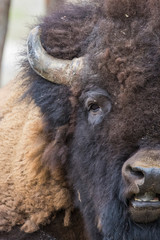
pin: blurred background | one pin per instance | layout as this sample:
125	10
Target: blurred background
15	18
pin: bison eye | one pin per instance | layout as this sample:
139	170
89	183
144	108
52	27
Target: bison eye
97	105
95	111
94	107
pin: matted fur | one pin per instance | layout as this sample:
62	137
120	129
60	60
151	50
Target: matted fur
132	8
30	192
121	40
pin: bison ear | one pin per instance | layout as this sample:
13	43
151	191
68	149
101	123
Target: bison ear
55	154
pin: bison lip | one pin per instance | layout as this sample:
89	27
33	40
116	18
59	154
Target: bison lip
145	208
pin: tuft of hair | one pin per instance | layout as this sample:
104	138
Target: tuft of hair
131	8
67	29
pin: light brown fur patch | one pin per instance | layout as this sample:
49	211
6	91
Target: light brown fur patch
29	192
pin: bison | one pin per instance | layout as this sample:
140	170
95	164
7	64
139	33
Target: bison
80	125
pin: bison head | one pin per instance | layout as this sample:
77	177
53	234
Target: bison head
113	150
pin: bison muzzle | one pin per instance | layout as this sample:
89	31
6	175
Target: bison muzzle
141	174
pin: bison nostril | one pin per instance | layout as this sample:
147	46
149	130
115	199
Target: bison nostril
135	172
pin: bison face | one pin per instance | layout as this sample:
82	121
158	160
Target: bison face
115	165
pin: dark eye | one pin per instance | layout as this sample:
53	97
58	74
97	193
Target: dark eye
97	105
94	107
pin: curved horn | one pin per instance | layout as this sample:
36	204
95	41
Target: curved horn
55	70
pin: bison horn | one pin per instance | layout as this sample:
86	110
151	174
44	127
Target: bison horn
54	70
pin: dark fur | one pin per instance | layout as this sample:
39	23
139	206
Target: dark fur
122	39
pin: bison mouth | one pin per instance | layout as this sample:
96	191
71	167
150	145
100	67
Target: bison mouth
145	208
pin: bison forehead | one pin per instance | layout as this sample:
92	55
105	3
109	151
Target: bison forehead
125	53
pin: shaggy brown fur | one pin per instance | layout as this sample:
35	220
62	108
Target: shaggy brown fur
29	191
132	8
74	25
121	41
